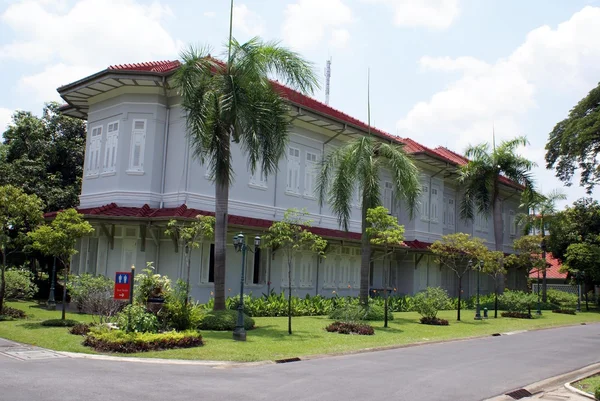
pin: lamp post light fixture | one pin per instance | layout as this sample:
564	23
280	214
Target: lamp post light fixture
239	243
478	307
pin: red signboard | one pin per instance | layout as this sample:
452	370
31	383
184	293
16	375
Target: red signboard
122	285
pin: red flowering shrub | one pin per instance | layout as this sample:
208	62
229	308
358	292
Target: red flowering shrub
350	328
435	321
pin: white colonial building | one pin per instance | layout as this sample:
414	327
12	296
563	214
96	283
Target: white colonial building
140	172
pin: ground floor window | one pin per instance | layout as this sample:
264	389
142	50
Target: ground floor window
207	265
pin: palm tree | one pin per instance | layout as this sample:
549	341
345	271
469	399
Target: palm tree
236	102
361	161
541	210
481	178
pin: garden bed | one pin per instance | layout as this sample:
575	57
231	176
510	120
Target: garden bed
350	328
120	341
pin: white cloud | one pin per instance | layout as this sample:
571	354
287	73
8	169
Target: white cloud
247	21
434	14
562	61
86	37
308	22
5	119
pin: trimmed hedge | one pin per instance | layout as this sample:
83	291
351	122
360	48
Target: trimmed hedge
373	312
518	315
350	328
13	313
565	311
434	321
223	320
59	323
120	341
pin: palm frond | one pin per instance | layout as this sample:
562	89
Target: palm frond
405	175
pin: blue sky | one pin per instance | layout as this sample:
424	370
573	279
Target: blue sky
443	72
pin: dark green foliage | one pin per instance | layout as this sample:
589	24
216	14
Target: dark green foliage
565	311
518	315
80	329
137	319
223	320
59	323
355	312
19	284
434	321
44	156
597	394
517	301
13	313
561	298
120	341
177	314
350	328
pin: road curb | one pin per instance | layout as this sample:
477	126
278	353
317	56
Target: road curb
577	391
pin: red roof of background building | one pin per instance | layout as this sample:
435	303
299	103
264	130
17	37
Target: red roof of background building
552	269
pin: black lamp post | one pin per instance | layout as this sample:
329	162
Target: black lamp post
539	305
51	298
478	307
239	243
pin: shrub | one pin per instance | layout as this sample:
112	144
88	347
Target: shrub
80	329
94	295
350	328
223	320
175	314
19	284
120	341
429	302
13	313
565	311
561	298
150	285
59	323
517	301
354	313
518	315
135	318
434	321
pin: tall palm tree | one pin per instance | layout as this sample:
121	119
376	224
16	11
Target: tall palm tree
236	102
541	210
361	161
481	176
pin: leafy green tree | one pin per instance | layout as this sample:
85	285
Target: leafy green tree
583	257
44	156
384	231
19	213
458	252
59	238
493	266
236	102
290	236
528	256
542	210
190	236
361	162
574	142
480	178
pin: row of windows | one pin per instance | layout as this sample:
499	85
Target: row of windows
110	143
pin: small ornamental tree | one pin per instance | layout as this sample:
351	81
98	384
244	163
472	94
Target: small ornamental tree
190	236
289	236
59	238
19	212
384	230
458	252
493	265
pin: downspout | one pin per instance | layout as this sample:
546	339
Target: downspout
165	144
429	211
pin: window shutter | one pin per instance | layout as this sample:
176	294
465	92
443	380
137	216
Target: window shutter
511	222
425	202
451	212
310	174
388	194
293	182
138	139
433	215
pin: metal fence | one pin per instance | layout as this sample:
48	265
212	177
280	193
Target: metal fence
572	289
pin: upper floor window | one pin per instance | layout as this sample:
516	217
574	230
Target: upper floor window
258	179
512	223
310	174
293	171
110	150
481	222
449	213
434	205
94	146
388	197
425	202
138	141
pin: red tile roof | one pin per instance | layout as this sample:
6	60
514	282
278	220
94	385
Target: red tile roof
552	269
151	66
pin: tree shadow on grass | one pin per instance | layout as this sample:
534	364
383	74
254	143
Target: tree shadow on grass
32	325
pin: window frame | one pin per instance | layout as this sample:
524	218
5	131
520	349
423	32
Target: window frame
139	169
108	169
291	161
96	142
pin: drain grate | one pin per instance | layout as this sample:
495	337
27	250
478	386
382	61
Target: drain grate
29	354
287	360
518	394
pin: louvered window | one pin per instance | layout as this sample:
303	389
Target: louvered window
110	150
94	147
138	140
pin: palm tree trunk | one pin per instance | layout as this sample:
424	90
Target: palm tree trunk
221	207
2	279
365	260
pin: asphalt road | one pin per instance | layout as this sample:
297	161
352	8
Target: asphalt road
457	371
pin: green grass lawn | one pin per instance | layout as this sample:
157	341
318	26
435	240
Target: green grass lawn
270	341
588	385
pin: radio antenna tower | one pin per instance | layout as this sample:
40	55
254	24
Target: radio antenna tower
327	79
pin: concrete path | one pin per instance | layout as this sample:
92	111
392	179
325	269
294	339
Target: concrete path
462	370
